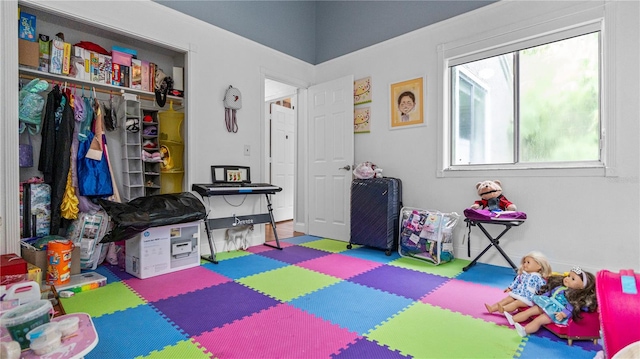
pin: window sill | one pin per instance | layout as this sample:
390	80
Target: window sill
485	172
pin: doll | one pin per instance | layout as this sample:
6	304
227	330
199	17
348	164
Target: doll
532	273
563	297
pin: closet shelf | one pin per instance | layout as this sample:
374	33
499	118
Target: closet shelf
30	74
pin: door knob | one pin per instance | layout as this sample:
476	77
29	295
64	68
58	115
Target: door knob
346	168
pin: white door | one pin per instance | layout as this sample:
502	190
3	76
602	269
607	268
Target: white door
330	132
282	160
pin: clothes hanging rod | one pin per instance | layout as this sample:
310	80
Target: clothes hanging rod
98	87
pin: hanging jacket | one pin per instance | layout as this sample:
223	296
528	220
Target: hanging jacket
55	151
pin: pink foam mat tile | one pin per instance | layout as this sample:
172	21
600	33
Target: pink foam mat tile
281	331
263	248
467	298
176	283
339	265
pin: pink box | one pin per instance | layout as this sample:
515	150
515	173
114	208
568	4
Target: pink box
121	58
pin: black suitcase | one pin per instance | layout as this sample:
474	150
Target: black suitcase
375	210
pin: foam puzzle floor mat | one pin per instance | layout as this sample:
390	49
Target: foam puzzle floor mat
313	299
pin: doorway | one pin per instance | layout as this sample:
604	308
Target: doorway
281	118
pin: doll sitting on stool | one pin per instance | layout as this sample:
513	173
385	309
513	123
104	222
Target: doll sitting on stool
532	273
564	297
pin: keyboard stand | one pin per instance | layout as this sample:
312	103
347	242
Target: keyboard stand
494	242
229	222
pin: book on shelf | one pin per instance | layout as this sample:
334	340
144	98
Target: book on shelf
136	74
57	54
145	75
44	52
66	58
115	74
27	27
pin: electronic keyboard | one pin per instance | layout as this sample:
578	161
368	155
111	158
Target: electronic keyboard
219	189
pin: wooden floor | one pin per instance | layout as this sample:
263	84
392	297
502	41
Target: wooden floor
284	230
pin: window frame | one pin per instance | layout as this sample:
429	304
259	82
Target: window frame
510	40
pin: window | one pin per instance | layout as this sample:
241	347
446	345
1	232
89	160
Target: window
535	105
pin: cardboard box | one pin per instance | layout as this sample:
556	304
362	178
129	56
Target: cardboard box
35	273
28	53
39	259
161	250
13	269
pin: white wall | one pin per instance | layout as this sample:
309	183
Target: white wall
588	221
216	59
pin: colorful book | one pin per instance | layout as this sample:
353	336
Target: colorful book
66	58
115	74
27	27
145	75
57	54
45	53
136	74
95	67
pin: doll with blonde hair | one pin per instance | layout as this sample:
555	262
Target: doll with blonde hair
563	297
532	273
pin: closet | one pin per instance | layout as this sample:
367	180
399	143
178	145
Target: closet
134	176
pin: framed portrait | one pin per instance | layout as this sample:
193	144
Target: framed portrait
407	108
361	118
362	91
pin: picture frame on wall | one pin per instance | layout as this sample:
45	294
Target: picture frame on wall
362	91
361	120
406	104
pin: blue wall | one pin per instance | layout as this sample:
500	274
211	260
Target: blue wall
317	31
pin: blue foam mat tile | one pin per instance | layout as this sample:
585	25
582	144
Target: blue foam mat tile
352	306
488	274
121	337
108	272
301	239
372	254
240	267
540	347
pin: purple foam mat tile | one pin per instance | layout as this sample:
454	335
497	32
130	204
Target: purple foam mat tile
117	271
294	254
364	348
584	344
407	283
202	310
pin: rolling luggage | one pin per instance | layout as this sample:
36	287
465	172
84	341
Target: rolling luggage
619	305
375	208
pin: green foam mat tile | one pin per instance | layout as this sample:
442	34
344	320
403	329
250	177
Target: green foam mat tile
230	255
327	245
449	269
425	331
182	349
288	282
104	300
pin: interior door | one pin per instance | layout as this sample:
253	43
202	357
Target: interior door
330	157
282	160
